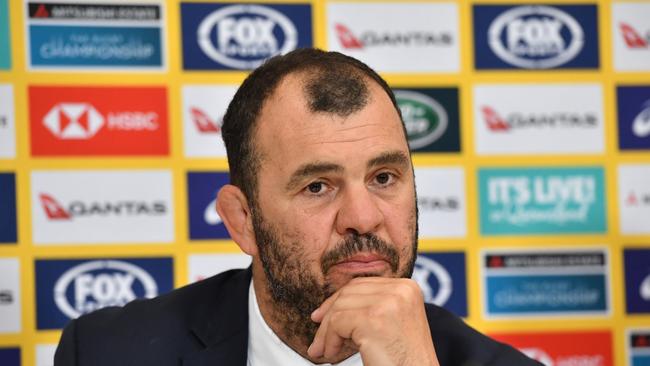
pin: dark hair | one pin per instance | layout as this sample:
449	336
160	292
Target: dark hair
337	86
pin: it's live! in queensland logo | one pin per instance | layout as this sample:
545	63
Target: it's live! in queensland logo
82	121
241	36
67	289
520	201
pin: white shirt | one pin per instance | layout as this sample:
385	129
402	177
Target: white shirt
266	349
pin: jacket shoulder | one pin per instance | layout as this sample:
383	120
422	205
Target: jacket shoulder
457	343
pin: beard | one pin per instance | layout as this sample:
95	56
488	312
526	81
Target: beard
296	291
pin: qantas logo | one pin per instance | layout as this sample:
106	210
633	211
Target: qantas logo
518	120
632	38
641	124
203	122
55	211
82	121
405	39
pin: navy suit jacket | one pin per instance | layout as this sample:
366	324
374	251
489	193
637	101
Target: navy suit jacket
206	323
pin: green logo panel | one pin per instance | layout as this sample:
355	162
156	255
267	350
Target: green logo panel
521	201
5	48
431	118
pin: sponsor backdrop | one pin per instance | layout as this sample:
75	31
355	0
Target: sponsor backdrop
529	125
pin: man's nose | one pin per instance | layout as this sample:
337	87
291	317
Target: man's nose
359	212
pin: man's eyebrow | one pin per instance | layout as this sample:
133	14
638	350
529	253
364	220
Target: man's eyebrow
310	169
390	158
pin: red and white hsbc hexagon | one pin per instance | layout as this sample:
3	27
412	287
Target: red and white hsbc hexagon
100	121
584	348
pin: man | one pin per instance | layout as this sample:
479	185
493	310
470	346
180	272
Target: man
323	199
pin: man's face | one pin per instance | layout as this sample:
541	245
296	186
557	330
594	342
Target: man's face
336	196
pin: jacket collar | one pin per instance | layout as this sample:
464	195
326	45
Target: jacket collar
221	323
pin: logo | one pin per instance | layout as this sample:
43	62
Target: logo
637	280
241	36
519	121
98	121
540	283
202	188
203	122
431	118
8	227
641	124
633	117
396	37
66	289
107	36
510	120
376	39
45	354
202	266
631	36
102	207
441	276
203	111
441	202
10	356
7	125
535	37
634	198
542	201
10	307
561	348
638	346
5	43
55	211
424	118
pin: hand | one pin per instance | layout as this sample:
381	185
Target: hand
383	317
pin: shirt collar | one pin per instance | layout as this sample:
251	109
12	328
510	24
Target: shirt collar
266	348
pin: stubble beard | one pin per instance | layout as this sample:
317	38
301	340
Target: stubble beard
296	291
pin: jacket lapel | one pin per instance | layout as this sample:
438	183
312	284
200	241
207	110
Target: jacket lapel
221	325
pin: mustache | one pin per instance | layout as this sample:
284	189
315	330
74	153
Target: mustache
355	243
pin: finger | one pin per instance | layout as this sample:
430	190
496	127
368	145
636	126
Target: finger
317	346
317	315
341	326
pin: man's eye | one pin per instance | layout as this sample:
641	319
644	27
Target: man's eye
316	187
383	178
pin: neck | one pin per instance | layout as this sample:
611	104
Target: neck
282	322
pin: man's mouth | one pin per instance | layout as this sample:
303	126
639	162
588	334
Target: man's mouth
363	262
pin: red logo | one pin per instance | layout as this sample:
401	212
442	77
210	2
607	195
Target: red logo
632	37
42	12
493	120
203	122
561	348
53	209
347	39
82	121
495	262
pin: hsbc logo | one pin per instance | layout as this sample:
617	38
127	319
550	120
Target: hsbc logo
538	354
243	36
83	121
633	38
536	37
496	123
56	211
390	39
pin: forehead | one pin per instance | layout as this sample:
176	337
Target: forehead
288	130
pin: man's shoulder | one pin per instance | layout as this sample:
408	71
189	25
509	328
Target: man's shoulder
164	326
459	344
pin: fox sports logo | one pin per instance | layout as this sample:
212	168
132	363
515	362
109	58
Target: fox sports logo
97	284
243	36
535	37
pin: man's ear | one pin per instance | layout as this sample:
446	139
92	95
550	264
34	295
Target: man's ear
233	209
